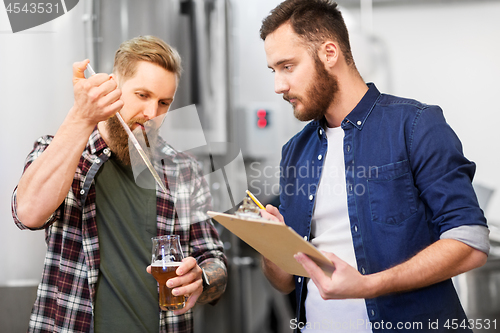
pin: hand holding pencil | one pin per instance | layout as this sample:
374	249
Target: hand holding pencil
269	212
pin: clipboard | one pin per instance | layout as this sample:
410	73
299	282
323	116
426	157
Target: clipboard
275	241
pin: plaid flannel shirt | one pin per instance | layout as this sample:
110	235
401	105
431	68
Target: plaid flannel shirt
67	291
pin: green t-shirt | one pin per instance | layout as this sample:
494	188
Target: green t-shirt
127	296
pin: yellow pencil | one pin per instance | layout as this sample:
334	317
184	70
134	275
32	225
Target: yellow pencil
255	199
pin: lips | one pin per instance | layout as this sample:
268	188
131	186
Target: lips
133	126
291	100
135	123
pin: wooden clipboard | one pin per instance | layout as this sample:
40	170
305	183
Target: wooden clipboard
275	241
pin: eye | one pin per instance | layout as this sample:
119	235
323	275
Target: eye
288	68
165	103
141	95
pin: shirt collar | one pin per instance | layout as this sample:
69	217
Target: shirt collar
357	117
96	143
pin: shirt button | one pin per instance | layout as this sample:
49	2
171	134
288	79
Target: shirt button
320	157
106	151
355	228
305	237
363	270
372	312
311	197
359	122
299	279
98	161
82	192
348	148
320	131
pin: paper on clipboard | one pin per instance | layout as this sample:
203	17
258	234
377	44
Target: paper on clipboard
275	241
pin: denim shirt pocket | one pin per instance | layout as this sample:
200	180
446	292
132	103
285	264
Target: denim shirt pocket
392	194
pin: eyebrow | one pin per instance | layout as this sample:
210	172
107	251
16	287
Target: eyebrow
280	62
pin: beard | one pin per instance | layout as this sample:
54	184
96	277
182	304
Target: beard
319	94
118	138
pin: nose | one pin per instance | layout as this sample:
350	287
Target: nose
280	84
151	110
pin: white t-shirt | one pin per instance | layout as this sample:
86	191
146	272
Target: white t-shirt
331	232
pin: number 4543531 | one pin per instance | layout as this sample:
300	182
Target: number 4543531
32	8
471	323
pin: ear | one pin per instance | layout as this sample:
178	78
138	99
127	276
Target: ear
329	54
116	78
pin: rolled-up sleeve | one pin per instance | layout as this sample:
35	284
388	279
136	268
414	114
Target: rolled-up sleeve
38	148
443	175
476	236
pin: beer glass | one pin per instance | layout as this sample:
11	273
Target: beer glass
166	258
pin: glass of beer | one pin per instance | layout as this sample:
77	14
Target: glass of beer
165	259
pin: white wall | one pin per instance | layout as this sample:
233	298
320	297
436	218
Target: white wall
449	54
35	95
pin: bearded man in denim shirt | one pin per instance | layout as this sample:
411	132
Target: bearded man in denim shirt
388	196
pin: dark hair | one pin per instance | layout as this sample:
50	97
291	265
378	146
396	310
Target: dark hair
314	21
146	48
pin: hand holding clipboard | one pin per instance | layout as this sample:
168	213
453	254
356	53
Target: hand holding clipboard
274	240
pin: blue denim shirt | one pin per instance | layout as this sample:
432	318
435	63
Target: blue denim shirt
407	183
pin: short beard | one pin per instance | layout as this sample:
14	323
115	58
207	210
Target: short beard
118	138
319	95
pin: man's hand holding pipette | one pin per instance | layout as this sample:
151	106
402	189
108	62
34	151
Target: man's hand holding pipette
96	98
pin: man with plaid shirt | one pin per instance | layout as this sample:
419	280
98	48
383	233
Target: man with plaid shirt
79	187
